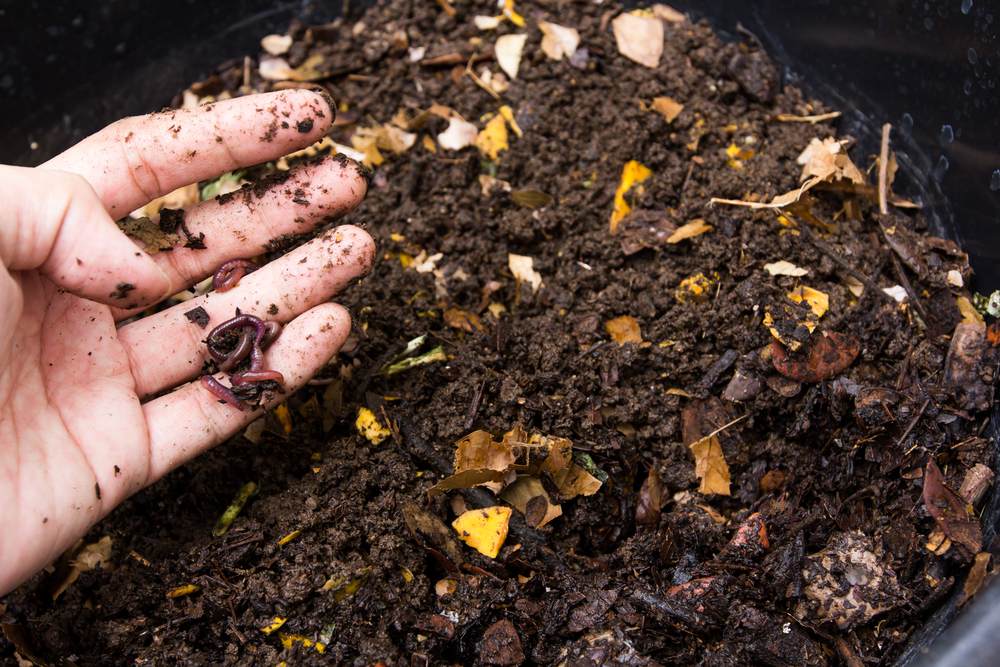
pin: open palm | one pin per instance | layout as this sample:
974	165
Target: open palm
76	437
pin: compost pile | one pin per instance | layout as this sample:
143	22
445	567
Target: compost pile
712	433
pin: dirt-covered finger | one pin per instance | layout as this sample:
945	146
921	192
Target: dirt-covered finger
266	216
137	159
191	420
168	348
53	221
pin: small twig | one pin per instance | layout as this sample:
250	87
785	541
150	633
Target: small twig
883	170
909	428
828	250
480	82
792	118
688	177
446	6
845	651
912	293
477	398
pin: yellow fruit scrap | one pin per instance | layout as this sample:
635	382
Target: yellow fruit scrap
508	115
508	11
181	591
632	173
484	530
288	538
288	641
818	301
281	412
273	625
696	288
493	138
370	427
736	154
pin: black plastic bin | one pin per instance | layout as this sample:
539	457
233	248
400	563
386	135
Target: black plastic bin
930	68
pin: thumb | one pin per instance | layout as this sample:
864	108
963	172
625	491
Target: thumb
54	222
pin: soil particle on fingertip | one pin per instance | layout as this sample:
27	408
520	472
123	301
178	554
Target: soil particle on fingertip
122	290
198	316
304	126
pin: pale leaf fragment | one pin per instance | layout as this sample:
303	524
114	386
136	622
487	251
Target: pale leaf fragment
508	51
668	13
487	22
94	554
490	183
710	466
693	228
394	139
459	134
639	38
276	45
668	107
277	69
558	41
523	269
367	144
783	268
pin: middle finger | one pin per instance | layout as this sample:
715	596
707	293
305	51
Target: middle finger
167	348
251	220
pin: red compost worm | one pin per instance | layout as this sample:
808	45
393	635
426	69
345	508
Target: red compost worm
229	274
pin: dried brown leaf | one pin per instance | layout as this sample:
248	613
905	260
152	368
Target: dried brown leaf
950	513
693	228
668	107
531	198
623	330
710	466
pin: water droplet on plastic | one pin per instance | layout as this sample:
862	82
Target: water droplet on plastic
968	87
966	6
942	166
995	181
906	123
929	24
973	56
947	135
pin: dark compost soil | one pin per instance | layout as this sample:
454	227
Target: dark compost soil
824	552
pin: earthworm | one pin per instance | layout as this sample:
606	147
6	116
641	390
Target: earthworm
229	274
247	377
244	347
243	320
271	332
221	391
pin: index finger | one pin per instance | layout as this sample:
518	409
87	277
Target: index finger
136	160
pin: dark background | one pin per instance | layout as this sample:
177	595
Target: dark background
930	68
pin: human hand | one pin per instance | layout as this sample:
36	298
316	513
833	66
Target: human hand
75	437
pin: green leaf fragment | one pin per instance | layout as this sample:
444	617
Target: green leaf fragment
246	492
437	354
